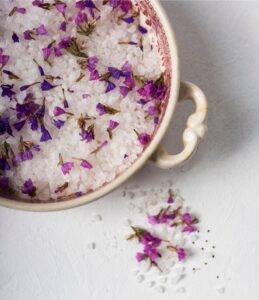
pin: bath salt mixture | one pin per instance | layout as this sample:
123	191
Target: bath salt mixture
81	93
165	234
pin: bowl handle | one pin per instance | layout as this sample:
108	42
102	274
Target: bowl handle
194	131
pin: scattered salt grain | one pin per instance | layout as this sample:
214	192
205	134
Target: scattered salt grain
151	283
160	289
91	246
181	290
140	278
221	290
97	218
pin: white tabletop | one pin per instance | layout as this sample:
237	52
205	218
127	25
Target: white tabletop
47	256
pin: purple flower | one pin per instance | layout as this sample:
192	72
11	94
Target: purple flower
34	123
28	188
5	126
85	4
129	82
66	167
4	183
19	125
58	123
188	228
46	86
37	2
15	38
142	29
152	253
7	90
65	104
170	199
152	110
28	35
4	165
181	254
58	111
63	26
21	10
94	75
78	194
140	256
115	73
111	86
80	18
41	71
65	42
85	164
144	138
3	58
46	52
128	20
187	218
61	7
41	30
87	135
113	125
127	67
91	63
146	90
101	109
149	240
124	91
22	156
45	134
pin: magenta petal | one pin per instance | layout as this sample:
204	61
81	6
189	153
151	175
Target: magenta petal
66	167
124	91
140	256
85	164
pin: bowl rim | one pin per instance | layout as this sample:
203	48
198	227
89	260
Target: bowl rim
109	187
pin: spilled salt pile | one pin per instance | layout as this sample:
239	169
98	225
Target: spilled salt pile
81	92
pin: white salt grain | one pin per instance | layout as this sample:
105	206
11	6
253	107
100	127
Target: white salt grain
181	290
221	290
140	278
91	246
160	289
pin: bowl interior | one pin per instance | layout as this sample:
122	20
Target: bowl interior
154	17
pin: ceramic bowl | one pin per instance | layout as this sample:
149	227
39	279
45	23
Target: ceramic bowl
177	91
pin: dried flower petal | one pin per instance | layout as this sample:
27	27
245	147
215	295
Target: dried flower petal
66	167
41	30
28	188
85	164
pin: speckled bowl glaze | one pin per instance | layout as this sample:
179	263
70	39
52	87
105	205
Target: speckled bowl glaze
177	91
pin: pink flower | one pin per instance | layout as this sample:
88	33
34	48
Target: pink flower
58	111
149	240
85	164
144	138
66	167
63	26
187	218
152	253
113	124
41	30
46	52
61	7
181	254
188	228
80	18
21	10
140	256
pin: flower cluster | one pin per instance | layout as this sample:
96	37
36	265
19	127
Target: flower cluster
152	243
66	167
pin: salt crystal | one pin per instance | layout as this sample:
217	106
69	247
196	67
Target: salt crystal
160	289
176	278
221	290
151	283
140	278
97	218
91	246
181	290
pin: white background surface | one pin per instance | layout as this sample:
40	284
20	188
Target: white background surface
45	256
